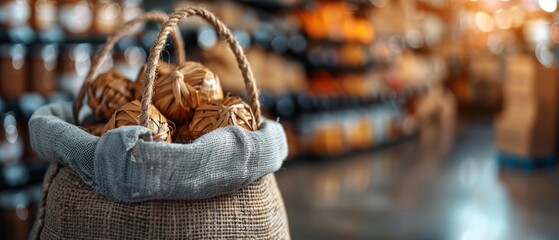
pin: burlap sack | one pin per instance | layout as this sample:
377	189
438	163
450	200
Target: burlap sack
74	211
71	209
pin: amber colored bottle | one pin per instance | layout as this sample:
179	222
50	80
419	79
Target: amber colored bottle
327	139
12	70
43	14
76	17
107	16
11	144
14	13
43	63
14	215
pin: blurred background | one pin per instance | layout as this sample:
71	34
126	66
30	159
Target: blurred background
406	119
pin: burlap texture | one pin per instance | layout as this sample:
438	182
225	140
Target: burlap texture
75	211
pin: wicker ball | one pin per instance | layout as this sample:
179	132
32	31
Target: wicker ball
108	92
185	88
221	113
129	114
163	68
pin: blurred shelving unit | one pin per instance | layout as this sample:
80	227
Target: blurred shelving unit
338	79
46	48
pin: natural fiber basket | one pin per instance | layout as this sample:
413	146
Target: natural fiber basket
71	209
133	87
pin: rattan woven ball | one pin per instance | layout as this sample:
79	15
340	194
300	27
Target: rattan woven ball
230	110
129	114
108	92
163	68
187	87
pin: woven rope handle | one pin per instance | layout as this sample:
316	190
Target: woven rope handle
124	30
224	33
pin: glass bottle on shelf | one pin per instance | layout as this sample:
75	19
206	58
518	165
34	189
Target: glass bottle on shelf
11	144
12	70
107	16
43	14
327	136
43	69
15	215
75	16
14	13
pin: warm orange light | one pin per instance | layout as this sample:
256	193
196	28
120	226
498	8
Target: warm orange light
518	16
362	30
336	21
484	22
503	19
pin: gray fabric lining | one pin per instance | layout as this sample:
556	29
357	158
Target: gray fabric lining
124	165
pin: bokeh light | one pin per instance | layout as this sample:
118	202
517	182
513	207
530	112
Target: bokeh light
484	22
503	18
548	5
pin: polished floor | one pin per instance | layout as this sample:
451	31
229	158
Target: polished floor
444	184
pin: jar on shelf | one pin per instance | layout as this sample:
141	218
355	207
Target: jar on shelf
358	130
394	124
14	13
12	70
107	16
43	69
43	14
379	120
15	215
328	137
11	144
75	16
